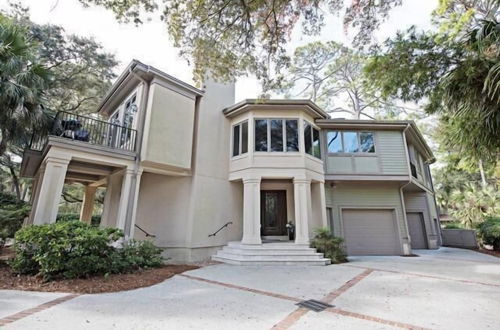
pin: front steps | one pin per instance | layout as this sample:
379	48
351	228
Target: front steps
279	253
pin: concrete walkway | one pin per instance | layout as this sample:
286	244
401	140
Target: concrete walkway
445	289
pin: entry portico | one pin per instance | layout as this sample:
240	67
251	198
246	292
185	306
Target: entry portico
283	156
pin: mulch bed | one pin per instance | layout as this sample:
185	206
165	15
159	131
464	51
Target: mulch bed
95	284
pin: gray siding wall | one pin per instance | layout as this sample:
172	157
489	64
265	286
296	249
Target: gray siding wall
364	195
420	203
389	157
392	153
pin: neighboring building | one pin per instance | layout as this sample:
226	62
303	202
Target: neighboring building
180	163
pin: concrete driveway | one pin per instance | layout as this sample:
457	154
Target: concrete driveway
444	289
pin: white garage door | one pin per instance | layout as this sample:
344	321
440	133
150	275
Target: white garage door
370	232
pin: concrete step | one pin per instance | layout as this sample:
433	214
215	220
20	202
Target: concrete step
273	262
276	253
297	252
268	246
291	257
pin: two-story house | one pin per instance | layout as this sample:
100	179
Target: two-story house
201	173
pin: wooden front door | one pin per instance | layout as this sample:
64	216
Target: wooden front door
273	212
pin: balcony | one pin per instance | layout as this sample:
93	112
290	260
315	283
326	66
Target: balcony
83	129
84	134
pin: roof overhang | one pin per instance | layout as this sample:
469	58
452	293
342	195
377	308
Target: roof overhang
410	128
275	104
136	72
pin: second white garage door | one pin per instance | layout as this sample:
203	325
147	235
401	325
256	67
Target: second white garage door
370	232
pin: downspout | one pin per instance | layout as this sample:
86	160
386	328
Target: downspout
406	246
138	146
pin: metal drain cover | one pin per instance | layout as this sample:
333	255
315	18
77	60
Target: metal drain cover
314	305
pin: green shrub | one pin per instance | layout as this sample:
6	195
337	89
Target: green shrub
453	225
12	214
489	232
325	242
73	249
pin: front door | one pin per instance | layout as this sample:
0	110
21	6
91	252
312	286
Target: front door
273	212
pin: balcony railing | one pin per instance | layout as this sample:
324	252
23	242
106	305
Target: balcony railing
90	130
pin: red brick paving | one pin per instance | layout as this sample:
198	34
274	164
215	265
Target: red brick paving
27	312
425	276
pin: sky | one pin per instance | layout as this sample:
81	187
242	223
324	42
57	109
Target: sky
150	43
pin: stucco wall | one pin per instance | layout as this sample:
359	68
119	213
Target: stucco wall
168	134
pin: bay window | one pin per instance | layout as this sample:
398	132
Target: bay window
276	135
350	142
311	140
240	138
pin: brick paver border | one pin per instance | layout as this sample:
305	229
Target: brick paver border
27	312
298	313
437	277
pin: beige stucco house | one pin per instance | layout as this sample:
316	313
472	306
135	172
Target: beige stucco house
210	178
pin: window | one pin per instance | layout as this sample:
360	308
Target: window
292	135
261	135
276	135
366	142
311	140
240	138
350	142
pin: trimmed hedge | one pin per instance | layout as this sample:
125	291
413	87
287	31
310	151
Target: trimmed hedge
72	249
489	232
332	247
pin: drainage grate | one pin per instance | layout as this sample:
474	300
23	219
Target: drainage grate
314	305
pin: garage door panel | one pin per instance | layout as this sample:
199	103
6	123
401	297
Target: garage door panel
370	232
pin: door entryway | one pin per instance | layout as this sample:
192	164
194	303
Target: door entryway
273	215
417	230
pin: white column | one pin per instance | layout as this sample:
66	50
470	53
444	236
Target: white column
251	211
322	201
135	197
49	194
87	204
302	199
37	184
121	215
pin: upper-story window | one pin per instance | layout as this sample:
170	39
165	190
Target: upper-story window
240	138
350	142
276	135
311	140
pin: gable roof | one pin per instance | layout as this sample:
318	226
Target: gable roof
137	70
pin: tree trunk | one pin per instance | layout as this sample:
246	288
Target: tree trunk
483	176
15	181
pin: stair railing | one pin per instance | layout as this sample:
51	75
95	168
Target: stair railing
224	226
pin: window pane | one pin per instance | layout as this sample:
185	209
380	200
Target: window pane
350	141
236	140
292	135
316	146
307	137
260	135
276	135
366	141
334	141
244	137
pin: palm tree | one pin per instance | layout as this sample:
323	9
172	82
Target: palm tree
22	82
